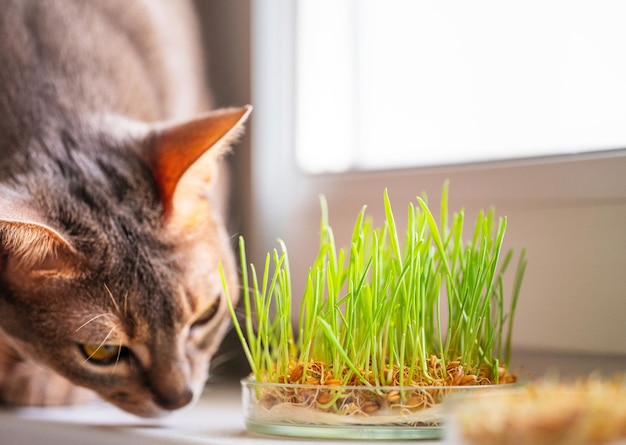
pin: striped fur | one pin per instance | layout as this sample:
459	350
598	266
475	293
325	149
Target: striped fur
110	223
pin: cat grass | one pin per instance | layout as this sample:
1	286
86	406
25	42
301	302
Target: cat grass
420	309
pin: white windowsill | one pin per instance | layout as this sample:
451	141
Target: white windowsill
217	418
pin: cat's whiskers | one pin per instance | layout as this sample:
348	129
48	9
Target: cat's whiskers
119	354
125	304
92	319
102	343
115	304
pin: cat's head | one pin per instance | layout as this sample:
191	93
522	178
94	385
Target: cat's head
109	251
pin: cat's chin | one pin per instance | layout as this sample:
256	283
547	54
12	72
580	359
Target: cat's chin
156	412
148	408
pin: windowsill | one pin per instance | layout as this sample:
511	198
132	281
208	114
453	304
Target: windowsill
217	418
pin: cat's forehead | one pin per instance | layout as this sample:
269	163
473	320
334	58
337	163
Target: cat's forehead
162	284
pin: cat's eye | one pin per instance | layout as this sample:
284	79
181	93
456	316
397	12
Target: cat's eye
208	314
101	354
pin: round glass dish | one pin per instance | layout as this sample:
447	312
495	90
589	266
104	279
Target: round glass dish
347	412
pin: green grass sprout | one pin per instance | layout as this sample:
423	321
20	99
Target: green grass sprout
420	308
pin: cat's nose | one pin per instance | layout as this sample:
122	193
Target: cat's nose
173	400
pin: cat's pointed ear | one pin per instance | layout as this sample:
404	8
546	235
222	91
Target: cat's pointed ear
177	147
28	238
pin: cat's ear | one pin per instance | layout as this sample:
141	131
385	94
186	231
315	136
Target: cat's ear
28	239
177	147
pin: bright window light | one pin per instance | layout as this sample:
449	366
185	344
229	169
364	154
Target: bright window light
402	83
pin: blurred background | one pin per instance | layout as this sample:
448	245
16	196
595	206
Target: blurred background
520	106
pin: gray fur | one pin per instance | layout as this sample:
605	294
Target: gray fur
86	252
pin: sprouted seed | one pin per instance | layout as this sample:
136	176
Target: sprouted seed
424	309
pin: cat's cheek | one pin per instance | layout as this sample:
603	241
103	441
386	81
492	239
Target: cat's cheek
199	376
135	398
158	389
199	364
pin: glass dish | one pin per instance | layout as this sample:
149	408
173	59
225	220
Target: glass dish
347	412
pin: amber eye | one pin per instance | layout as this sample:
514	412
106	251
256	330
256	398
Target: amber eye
207	315
101	354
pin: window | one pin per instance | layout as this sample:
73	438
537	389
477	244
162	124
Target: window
411	83
566	205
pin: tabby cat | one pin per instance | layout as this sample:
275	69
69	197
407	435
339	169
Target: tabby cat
111	226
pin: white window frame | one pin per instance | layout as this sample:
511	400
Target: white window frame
568	211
